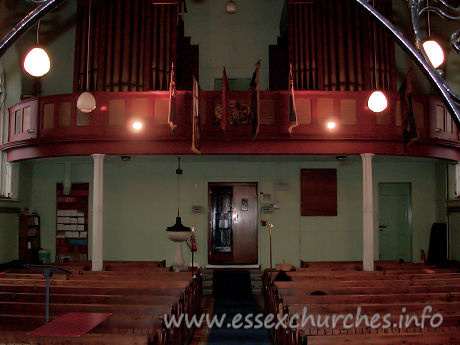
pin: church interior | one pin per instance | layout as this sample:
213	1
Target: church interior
191	157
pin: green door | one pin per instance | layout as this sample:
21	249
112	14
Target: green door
395	221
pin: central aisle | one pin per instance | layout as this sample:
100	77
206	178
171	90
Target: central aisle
233	295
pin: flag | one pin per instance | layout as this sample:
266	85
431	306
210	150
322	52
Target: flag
182	9
172	100
410	132
183	6
292	110
223	120
196	117
254	90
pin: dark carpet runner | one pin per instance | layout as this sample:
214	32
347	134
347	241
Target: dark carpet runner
233	295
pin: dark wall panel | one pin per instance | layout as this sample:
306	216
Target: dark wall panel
318	192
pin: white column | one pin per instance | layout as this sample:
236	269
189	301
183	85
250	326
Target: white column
98	203
368	213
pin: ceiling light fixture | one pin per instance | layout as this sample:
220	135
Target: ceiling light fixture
434	52
178	232
377	101
432	49
230	7
86	102
37	62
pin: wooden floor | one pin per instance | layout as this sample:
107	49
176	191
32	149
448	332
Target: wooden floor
200	336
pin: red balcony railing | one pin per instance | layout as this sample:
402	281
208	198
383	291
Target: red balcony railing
56	119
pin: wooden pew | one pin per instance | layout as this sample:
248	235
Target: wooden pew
386	339
370	299
358	265
372	283
89	299
394	286
128	324
287	290
115	264
137	298
18	337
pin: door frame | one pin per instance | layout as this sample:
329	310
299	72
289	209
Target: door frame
231	184
409	215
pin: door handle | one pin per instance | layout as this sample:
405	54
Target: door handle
382	226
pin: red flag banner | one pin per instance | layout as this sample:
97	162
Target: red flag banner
410	132
172	100
225	88
254	91
292	110
196	117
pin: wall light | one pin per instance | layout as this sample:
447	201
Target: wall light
434	52
137	125
377	102
37	63
331	125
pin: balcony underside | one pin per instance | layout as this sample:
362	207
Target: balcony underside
51	126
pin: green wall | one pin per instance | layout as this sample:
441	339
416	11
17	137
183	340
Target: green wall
140	202
8	236
60	42
9	223
454	231
235	41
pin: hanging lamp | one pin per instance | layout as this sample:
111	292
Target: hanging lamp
377	101
432	49
178	232
86	102
37	62
231	7
178	226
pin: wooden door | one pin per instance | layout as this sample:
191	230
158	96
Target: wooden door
245	224
232	235
394	221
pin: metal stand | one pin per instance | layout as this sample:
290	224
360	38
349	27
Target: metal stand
270	229
270	234
193	252
47	271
